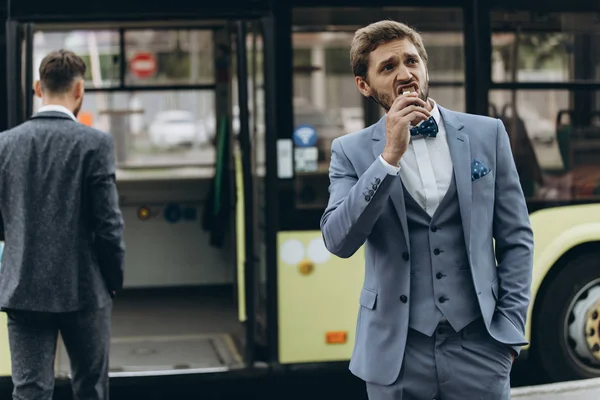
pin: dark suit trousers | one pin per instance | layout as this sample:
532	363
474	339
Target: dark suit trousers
33	337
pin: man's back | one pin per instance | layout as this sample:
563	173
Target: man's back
62	226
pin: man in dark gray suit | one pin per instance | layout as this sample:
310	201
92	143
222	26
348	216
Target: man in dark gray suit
62	227
428	190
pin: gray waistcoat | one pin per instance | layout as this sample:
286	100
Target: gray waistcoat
441	283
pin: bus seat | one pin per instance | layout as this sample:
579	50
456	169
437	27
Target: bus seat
564	128
526	161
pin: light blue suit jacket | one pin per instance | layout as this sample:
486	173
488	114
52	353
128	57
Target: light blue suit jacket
366	207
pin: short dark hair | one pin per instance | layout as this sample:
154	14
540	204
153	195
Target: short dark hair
59	69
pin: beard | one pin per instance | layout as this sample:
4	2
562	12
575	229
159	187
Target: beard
78	108
385	100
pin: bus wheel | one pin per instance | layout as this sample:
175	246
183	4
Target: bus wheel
567	332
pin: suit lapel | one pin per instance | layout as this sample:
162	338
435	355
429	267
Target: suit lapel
460	152
396	191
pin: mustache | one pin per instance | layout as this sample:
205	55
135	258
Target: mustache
399	84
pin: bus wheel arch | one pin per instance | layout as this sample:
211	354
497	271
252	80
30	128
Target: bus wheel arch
560	298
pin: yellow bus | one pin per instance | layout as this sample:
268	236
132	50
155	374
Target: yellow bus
223	148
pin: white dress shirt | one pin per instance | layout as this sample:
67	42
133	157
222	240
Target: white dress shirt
58	108
426	167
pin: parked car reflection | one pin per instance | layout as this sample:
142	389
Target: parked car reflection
177	128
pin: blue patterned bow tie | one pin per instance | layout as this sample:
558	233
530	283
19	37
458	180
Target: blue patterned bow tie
427	128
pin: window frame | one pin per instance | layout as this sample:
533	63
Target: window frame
123	87
573	87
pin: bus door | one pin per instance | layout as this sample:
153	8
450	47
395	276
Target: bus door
184	101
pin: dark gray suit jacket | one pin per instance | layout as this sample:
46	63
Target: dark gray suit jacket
59	216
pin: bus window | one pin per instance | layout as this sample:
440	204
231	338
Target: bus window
179	57
554	125
326	101
161	112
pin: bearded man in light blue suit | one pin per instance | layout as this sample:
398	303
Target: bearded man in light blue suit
427	191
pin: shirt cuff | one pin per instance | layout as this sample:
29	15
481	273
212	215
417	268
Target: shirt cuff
389	168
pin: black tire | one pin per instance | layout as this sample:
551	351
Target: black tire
551	345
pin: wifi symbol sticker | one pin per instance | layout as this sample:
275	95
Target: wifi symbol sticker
305	136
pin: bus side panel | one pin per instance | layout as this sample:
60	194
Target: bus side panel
318	299
4	350
556	231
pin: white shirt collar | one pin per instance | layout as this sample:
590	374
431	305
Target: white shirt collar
435	112
437	116
57	108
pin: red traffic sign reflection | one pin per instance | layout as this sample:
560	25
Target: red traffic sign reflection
143	65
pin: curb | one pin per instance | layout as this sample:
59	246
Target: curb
586	389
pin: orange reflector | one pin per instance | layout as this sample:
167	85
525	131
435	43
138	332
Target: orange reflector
336	337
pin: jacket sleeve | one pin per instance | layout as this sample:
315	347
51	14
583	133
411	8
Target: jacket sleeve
355	203
107	221
514	238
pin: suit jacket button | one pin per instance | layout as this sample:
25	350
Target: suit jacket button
405	256
377	180
403	298
371	192
368	198
436	251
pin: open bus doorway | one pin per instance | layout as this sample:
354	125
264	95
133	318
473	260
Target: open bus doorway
169	96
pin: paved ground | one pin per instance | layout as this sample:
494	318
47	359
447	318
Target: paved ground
303	386
580	390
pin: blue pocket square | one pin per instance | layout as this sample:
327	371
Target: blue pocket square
478	169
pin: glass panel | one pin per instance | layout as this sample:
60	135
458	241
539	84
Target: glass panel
545	47
154	130
325	96
99	50
555	137
169	57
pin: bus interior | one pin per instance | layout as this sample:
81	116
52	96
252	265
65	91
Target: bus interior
168	95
